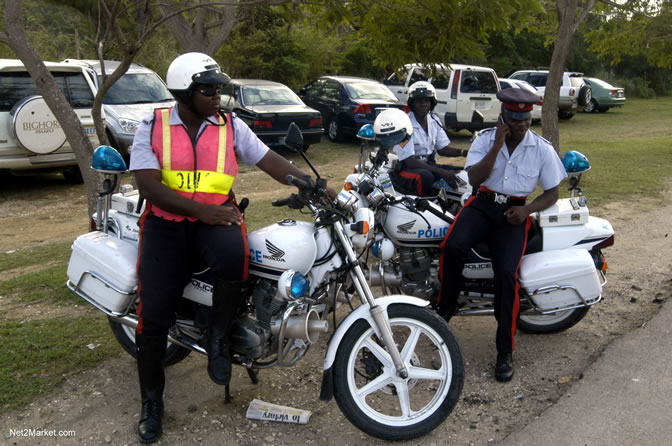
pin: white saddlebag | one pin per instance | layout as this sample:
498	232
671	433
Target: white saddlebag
560	278
106	259
564	212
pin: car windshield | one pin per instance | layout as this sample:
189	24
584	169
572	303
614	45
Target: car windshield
369	90
269	95
142	88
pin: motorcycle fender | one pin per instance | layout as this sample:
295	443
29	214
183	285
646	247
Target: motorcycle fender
362	312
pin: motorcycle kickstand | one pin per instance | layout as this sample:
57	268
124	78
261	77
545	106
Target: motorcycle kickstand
253	374
227	393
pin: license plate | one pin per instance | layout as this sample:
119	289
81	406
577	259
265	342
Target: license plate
479	105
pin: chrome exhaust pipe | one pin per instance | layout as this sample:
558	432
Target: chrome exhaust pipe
173	337
377	276
307	327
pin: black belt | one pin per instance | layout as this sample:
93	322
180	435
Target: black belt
501	198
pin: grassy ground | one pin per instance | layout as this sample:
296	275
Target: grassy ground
48	334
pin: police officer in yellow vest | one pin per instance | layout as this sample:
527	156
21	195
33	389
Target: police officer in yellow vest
184	161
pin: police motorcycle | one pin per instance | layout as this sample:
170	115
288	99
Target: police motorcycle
393	366
561	274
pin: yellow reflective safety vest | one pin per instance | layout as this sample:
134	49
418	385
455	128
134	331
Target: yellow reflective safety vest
204	173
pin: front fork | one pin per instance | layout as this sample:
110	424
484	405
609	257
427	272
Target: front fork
382	328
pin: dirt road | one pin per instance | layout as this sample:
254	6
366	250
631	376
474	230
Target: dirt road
102	405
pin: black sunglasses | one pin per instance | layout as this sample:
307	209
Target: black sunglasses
210	90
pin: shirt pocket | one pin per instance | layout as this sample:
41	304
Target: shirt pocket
526	178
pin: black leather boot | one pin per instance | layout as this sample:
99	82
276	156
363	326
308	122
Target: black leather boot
226	297
151	351
504	367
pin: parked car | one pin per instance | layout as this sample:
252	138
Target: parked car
268	108
604	96
575	94
347	103
31	138
133	97
462	90
515	83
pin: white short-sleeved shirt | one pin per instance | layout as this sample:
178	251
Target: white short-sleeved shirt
245	143
423	143
534	160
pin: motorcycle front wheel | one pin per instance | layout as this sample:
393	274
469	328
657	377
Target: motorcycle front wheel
126	337
551	323
384	405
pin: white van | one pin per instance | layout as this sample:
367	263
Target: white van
133	97
462	91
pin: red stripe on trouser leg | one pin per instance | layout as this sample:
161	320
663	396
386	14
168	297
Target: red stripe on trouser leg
413	176
443	244
516	302
141	224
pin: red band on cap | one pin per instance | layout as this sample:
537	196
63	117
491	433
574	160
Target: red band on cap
518	107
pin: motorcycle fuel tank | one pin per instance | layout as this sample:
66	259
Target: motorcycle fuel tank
288	244
407	228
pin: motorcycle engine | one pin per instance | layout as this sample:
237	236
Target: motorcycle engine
250	337
415	267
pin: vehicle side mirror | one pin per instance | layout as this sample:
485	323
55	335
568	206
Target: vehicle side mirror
294	137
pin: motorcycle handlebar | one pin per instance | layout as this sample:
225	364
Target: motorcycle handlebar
278	203
423	205
298	182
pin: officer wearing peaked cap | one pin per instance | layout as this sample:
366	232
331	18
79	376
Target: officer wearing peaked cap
504	166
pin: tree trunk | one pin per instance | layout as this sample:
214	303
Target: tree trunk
568	22
15	38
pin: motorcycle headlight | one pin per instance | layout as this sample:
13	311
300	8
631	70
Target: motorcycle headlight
293	285
129	126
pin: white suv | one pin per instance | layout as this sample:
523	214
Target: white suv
575	94
133	97
31	139
466	94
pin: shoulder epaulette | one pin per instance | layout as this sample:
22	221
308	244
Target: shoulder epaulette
541	137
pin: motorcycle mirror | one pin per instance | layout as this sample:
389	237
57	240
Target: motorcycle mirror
106	159
366	132
294	137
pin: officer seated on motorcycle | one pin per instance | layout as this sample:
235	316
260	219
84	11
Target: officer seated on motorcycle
504	165
417	170
184	161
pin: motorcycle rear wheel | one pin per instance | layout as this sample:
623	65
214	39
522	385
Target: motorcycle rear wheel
551	323
380	403
126	337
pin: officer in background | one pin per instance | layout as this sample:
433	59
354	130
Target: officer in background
184	161
418	168
504	164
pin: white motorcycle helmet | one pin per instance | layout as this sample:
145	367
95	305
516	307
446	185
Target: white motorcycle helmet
194	68
392	127
421	89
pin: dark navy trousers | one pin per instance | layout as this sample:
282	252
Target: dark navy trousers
484	220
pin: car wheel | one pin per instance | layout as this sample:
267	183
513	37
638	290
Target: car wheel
591	107
334	132
585	95
565	115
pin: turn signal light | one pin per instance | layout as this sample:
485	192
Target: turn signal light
263	124
348	186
